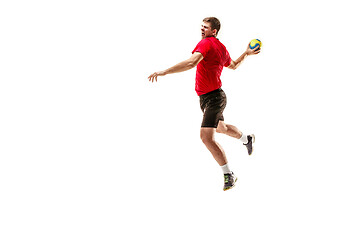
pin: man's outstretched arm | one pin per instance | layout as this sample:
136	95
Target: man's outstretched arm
180	67
235	64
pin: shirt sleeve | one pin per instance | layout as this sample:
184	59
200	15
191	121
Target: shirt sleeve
228	61
202	47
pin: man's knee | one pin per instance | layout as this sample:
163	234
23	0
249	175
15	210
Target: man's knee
221	128
207	135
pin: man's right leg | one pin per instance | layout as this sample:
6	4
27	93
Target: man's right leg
229	130
234	132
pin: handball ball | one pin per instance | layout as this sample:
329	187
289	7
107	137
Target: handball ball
254	43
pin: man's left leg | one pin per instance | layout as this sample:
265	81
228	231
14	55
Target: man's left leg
207	135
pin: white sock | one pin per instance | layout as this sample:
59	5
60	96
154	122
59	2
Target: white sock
244	138
225	168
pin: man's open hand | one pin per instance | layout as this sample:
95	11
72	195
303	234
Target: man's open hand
154	76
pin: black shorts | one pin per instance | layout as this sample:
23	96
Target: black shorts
213	104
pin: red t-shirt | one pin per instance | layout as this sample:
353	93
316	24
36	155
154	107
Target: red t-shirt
209	69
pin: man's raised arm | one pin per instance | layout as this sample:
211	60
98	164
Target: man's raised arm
235	64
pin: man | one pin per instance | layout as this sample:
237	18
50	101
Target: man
210	56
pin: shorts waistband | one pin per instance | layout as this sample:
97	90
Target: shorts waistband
212	92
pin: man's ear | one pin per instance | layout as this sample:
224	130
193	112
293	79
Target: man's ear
215	32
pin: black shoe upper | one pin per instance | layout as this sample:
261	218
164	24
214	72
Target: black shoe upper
249	144
229	180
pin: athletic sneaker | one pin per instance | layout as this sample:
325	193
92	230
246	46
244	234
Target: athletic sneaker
229	181
251	140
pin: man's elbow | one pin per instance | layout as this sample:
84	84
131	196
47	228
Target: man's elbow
192	64
232	67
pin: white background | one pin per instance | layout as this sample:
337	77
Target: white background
91	150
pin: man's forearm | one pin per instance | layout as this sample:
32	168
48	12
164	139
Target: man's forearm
238	61
180	67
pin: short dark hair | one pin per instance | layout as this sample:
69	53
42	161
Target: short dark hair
214	22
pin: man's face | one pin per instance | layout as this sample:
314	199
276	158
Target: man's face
206	30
